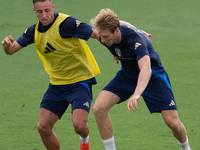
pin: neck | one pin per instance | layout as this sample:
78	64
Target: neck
119	37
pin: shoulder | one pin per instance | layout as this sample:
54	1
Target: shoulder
128	35
30	30
70	22
27	37
73	23
128	31
132	34
73	27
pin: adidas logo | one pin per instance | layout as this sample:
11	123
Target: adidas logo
25	30
137	45
49	48
172	103
86	104
78	23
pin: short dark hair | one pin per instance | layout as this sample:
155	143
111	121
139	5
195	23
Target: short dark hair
34	1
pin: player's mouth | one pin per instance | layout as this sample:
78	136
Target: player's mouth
44	21
107	43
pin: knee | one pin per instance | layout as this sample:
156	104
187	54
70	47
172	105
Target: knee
98	112
174	125
80	127
43	130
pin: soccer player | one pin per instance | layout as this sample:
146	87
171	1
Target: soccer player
59	41
141	74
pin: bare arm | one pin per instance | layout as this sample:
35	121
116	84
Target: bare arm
9	46
143	79
127	24
95	35
130	25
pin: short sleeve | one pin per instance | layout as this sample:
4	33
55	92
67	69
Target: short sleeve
27	37
72	27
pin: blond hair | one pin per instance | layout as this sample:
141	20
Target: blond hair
106	20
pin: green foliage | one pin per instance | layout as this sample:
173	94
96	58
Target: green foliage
175	28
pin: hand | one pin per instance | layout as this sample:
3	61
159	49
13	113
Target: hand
149	36
133	102
7	42
117	61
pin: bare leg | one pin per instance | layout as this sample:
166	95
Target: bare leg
79	118
47	120
101	107
172	120
81	127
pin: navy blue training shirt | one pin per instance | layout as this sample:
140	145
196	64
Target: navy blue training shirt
68	28
135	45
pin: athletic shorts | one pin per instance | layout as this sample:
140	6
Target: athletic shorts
158	94
58	97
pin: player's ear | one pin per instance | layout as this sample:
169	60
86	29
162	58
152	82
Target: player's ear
33	8
117	30
53	7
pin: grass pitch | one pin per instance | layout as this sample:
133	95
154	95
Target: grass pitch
175	28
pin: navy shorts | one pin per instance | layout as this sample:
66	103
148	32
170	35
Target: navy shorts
58	97
158	94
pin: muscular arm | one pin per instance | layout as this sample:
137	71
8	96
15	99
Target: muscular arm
143	79
95	35
130	25
9	46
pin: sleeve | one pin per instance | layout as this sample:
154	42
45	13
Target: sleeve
139	47
27	37
72	27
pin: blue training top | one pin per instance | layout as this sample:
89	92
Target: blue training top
68	28
135	45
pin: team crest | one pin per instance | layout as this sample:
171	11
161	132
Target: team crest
118	52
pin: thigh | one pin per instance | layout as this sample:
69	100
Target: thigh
170	116
79	115
47	118
106	100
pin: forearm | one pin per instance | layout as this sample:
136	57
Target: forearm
126	23
95	35
142	83
130	25
9	50
143	80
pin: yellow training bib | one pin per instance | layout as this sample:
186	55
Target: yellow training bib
65	60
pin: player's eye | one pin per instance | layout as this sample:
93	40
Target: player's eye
47	10
39	11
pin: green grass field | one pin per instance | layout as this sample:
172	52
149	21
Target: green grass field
175	26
